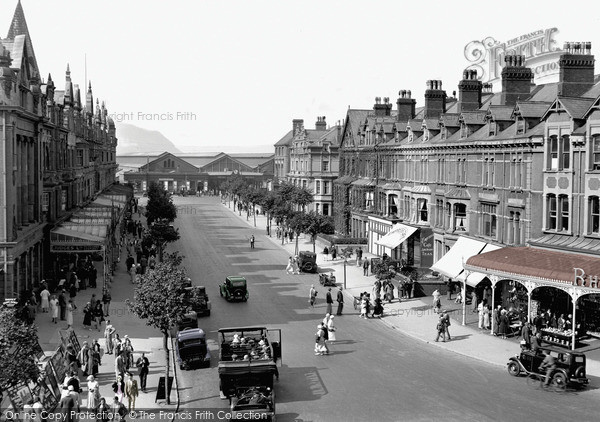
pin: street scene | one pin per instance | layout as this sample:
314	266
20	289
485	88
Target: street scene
179	240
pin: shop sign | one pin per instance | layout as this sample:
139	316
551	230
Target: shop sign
426	247
538	47
75	248
584	280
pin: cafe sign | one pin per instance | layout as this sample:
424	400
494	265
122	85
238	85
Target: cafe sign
539	48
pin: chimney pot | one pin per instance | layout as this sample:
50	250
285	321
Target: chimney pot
408	93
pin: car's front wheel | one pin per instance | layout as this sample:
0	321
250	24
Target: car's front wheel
513	369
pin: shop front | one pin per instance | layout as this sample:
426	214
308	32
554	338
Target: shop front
557	290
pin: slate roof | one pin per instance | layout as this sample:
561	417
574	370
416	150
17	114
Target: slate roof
450	119
576	106
473	117
501	112
532	109
286	139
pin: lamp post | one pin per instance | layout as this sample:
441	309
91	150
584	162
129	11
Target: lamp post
345	262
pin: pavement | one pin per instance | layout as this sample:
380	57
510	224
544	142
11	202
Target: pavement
413	317
143	338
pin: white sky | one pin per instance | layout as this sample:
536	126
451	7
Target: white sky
246	68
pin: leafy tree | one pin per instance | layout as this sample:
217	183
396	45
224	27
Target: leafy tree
253	197
18	348
160	234
161	299
383	270
160	205
267	203
317	224
299	223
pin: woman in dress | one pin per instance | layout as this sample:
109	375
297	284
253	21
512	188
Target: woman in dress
54	309
98	314
504	323
87	316
70	307
363	307
389	291
119	388
486	317
109	331
45	295
93	392
331	329
290	266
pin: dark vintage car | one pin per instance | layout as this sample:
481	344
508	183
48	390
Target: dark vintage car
234	288
570	365
198	299
190	320
307	261
253	403
190	348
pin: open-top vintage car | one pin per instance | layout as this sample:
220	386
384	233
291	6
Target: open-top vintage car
570	365
199	301
327	280
234	288
253	403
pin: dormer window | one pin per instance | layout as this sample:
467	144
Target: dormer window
410	136
463	131
493	128
520	127
444	133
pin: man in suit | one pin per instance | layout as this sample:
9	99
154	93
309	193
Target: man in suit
67	408
62	303
131	391
119	366
329	301
143	364
340	301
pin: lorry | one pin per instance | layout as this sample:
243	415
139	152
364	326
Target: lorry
249	358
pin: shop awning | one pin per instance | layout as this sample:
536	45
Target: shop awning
363	182
474	277
539	265
398	234
99	231
90	220
451	264
64	239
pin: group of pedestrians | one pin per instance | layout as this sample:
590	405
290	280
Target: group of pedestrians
293	266
326	332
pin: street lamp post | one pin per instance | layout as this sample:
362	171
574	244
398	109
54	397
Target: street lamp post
345	262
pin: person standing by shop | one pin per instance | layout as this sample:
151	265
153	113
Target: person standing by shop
481	310
54	308
45	296
340	301
70	308
504	323
62	303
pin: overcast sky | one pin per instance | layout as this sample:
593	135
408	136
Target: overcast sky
240	71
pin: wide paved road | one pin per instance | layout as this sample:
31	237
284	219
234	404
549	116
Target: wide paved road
374	372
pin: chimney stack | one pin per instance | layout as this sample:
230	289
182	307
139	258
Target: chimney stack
576	69
297	126
435	100
321	125
469	91
406	106
384	109
516	80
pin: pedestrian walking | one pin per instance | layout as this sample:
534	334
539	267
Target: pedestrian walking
436	301
359	254
290	266
475	302
118	410
377	289
296	264
68	408
366	267
106	298
62	303
312	296
446	319
103	413
131	391
340	301
54	309
409	288
441	329
119	366
98	314
363	307
320	341
503	324
109	331
329	301
389	291
486	317
87	316
331	329
326	253
118	388
459	295
481	309
70	308
333	253
143	365
252	242
93	392
45	296
496	319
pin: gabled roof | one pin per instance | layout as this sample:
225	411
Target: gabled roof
500	112
416	125
19	32
575	107
354	119
594	91
473	117
546	93
165	155
431	124
286	139
449	120
531	109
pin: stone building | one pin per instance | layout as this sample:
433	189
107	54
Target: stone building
56	154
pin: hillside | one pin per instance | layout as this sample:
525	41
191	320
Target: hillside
135	140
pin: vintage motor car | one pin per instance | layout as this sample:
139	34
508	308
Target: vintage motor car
190	348
307	261
253	403
198	299
570	365
234	288
190	320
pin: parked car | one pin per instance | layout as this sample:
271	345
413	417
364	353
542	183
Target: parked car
190	320
199	301
570	365
307	261
234	288
190	348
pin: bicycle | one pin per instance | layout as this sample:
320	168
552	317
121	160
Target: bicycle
538	381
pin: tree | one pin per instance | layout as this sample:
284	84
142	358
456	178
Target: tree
160	205
253	197
317	224
18	348
160	234
299	223
383	270
161	299
267	203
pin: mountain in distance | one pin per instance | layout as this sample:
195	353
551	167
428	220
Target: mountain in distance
134	140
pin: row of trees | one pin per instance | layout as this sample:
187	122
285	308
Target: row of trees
285	205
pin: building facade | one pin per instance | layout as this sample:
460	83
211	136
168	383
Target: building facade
187	173
55	155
